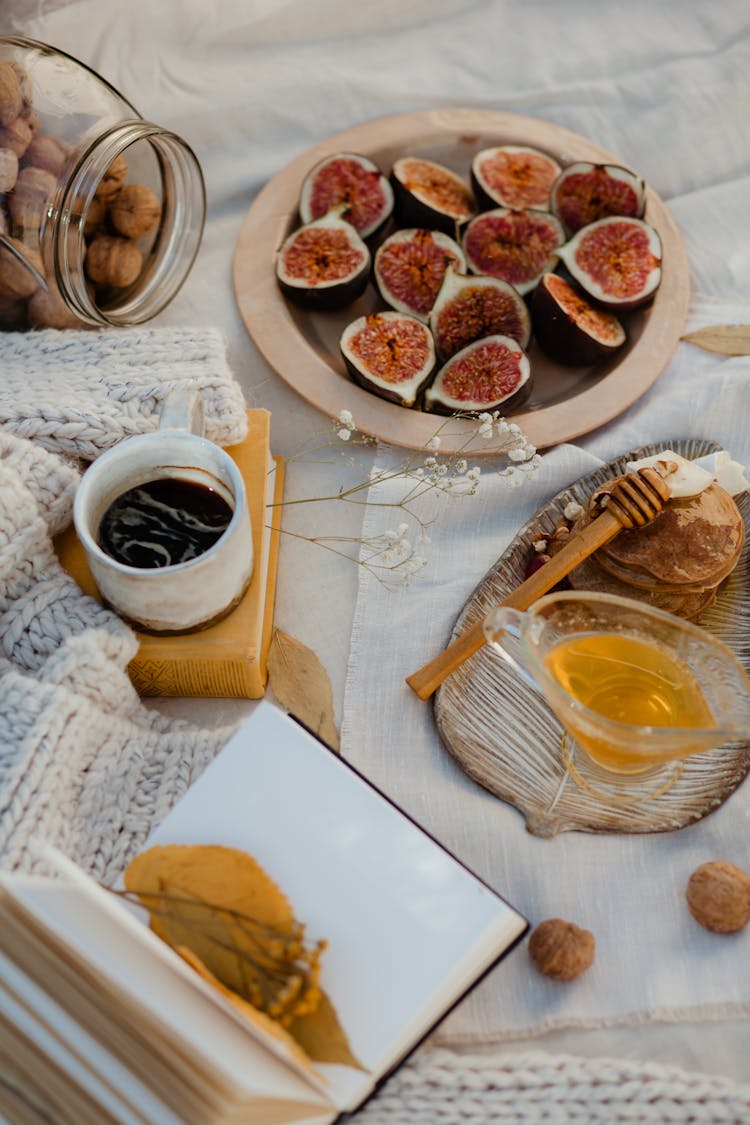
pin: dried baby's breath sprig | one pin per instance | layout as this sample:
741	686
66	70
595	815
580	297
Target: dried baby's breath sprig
391	556
275	970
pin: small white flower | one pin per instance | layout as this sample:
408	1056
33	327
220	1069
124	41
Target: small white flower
346	419
460	467
344	434
516	454
430	462
485	430
474	473
434	442
513	428
402	529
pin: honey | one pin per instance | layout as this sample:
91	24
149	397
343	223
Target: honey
631	681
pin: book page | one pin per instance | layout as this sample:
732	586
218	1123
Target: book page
409	928
103	958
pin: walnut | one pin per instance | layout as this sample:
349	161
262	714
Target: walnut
560	949
718	895
12	313
31	196
48	153
11	98
16	279
135	212
113	261
113	179
8	169
48	310
16	136
32	120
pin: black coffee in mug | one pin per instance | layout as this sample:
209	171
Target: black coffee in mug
163	522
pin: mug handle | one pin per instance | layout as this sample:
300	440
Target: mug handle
182	409
502	628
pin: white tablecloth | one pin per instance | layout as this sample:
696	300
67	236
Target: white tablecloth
252	84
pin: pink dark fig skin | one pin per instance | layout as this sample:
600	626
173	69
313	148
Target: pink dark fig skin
389	353
616	261
513	176
323	264
585	192
351	184
410	266
430	195
491	372
568	328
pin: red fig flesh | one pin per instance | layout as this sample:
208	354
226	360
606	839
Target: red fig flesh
517	246
323	264
480	377
410	267
429	195
617	261
568	327
468	308
514	176
585	192
354	185
389	353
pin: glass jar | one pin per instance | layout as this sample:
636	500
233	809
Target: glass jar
101	212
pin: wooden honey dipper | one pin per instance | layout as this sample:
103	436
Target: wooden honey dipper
635	500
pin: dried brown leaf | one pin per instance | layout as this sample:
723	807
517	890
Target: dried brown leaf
322	1037
725	339
301	685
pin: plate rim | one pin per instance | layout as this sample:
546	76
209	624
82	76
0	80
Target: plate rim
270	324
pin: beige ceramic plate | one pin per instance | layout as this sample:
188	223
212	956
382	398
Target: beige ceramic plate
503	735
303	347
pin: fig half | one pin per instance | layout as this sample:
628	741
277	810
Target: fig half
410	266
492	371
516	246
389	353
468	308
513	176
351	182
429	195
568	327
323	264
585	192
616	261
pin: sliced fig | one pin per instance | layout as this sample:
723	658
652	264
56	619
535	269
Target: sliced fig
516	246
513	176
568	327
468	308
410	266
323	264
481	376
430	195
585	192
352	182
616	261
389	353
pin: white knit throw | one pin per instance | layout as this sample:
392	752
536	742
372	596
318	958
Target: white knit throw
439	1087
80	392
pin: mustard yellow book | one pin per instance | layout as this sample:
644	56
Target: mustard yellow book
227	660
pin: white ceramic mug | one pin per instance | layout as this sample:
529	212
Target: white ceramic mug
188	595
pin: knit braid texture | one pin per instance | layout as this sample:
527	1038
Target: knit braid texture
80	392
441	1087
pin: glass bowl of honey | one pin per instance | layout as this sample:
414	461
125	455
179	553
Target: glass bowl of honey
634	687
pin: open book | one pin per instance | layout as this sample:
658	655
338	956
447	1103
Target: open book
101	1014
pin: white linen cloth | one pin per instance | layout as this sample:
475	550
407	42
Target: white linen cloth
652	961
